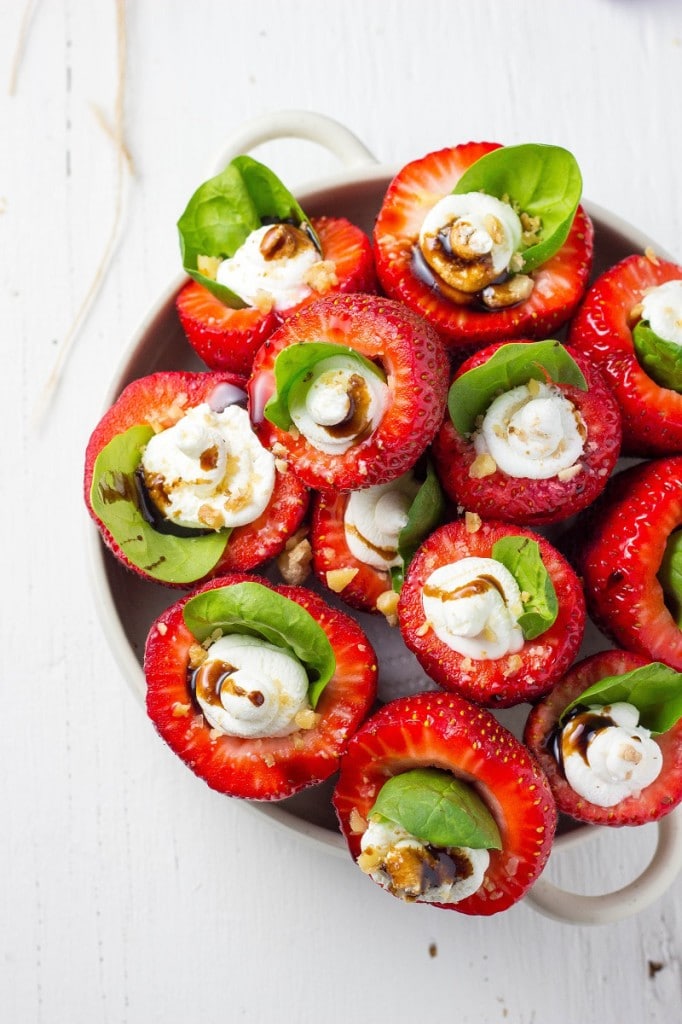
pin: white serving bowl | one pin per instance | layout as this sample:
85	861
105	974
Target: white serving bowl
128	604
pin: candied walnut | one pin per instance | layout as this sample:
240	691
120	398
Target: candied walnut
357	823
472	522
284	241
306	718
208	266
507	293
263	301
180	710
462	268
197	655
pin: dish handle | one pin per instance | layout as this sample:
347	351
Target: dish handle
297	124
659	874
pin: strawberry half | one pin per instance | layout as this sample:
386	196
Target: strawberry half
620	548
446	732
559	283
160	400
497	495
411	356
227	339
268	768
333	561
602	329
522	675
655	800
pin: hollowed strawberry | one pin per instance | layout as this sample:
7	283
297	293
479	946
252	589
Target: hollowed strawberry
446	732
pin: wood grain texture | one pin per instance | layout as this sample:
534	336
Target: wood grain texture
129	893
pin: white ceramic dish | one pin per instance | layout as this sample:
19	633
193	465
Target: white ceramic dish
128	605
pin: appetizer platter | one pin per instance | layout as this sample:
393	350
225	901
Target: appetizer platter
366	546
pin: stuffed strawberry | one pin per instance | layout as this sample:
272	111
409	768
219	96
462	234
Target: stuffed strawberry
179	485
486	242
609	738
493	612
257	689
629	552
350	391
629	323
362	541
254	258
532	434
439	803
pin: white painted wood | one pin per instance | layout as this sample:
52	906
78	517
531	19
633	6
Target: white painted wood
128	891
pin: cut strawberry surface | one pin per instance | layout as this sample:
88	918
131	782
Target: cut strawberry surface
227	339
602	329
531	666
358	584
270	767
540	735
558	284
446	732
478	484
621	546
121	506
399	347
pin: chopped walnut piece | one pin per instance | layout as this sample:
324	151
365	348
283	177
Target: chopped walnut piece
651	256
162	628
424	628
472	522
321	277
179	710
263	301
513	665
210	517
357	823
306	718
387	604
483	465
571	471
208	266
197	655
268	760
338	579
294	562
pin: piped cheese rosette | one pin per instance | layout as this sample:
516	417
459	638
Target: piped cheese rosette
492	612
179	484
254	258
609	738
362	541
257	688
532	434
349	391
630	325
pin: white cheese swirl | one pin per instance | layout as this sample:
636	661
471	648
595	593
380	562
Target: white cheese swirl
338	404
473	606
373	519
250	273
250	688
662	308
484	225
395	859
619	759
532	431
209	469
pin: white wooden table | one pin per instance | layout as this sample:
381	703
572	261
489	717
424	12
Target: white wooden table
129	891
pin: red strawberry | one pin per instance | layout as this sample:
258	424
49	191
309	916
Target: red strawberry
414	361
259	769
621	547
227	339
444	731
331	554
512	678
160	400
656	800
559	283
602	329
520	499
